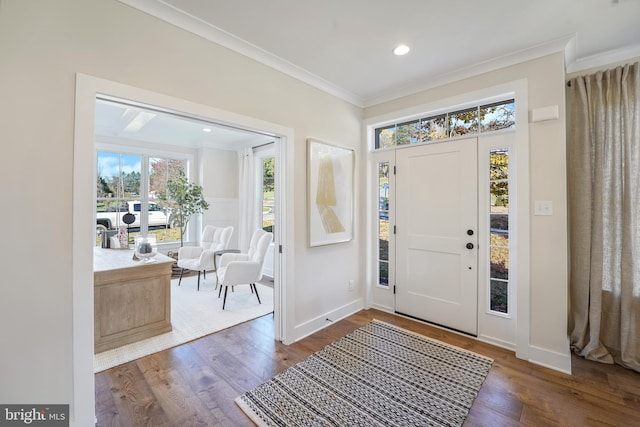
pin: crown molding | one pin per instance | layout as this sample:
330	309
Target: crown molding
165	12
534	52
604	58
567	44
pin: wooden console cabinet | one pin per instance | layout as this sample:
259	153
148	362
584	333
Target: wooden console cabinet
132	300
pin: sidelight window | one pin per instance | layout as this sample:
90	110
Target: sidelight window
499	231
383	223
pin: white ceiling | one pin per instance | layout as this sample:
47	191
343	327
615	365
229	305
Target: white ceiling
344	46
117	122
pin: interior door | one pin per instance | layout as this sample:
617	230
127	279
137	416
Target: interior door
436	240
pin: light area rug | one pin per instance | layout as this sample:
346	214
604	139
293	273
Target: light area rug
194	314
379	375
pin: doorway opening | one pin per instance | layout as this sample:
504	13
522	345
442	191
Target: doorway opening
88	89
141	151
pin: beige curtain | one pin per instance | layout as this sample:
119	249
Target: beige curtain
604	215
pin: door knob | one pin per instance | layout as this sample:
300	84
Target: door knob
469	245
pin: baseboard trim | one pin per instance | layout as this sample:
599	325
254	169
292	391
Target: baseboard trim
550	359
384	308
497	342
314	325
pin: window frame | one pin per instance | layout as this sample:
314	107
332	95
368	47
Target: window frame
446	116
260	154
147	151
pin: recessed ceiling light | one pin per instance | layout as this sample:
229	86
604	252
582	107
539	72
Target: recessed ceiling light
401	49
206	129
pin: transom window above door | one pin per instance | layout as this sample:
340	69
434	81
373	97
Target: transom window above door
469	121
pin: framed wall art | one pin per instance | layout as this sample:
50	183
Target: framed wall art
330	170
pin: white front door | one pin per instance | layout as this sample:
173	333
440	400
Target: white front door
436	264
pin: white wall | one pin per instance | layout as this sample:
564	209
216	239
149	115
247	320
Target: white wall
218	174
547	343
43	45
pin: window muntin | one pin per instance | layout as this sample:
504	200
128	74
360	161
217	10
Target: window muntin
478	119
499	231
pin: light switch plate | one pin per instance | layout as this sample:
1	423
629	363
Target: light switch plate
543	207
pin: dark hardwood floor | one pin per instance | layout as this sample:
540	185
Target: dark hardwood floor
195	384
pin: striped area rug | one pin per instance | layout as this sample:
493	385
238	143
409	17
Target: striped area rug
379	375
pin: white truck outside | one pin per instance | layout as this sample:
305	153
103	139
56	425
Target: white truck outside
111	219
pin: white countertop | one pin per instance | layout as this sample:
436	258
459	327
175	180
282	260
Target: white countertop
116	259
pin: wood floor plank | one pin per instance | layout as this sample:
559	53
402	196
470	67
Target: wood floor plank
136	404
196	383
180	405
106	403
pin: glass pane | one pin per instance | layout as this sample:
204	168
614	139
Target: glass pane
383	190
118	175
497	116
499	263
499	296
118	188
499	197
383	272
384	248
268	199
434	127
162	171
463	122
408	133
383	233
499	165
499	223
499	239
386	137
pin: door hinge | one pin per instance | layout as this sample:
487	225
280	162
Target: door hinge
394	289
394	169
394	229
280	248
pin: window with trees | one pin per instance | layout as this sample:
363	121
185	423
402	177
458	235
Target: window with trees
477	119
383	224
268	199
499	231
136	184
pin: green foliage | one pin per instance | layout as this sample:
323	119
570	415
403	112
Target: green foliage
103	187
124	185
131	182
268	171
184	199
498	173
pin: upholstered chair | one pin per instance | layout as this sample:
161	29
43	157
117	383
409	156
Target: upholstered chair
203	258
244	268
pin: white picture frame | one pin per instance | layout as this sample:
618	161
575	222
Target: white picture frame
330	170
